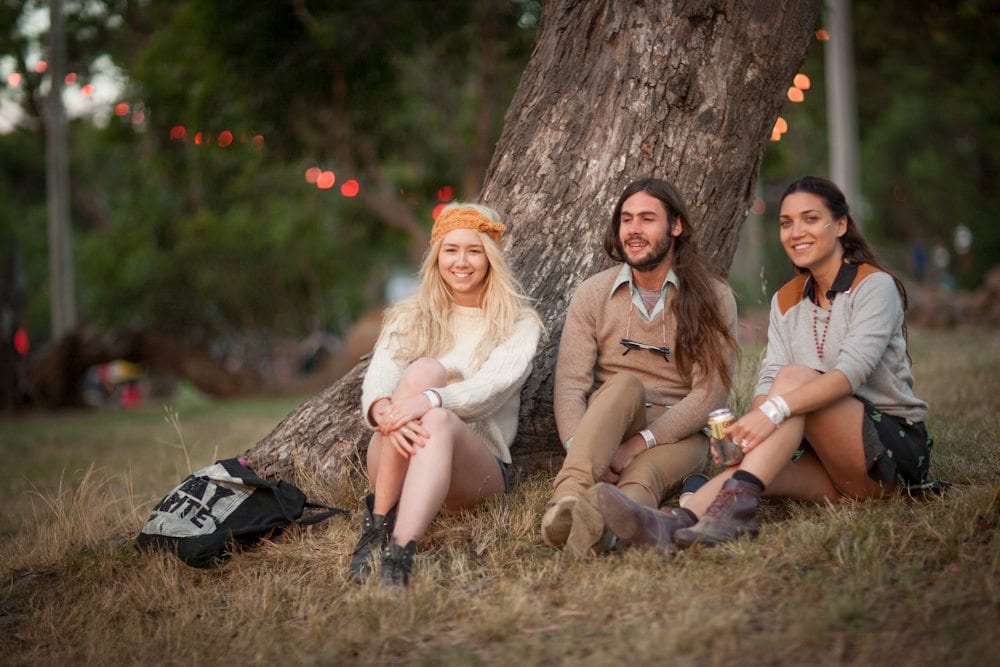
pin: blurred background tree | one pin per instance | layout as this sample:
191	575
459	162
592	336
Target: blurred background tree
256	169
927	77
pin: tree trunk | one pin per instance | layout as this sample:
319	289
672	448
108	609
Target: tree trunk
614	91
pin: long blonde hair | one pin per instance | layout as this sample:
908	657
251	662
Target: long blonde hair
420	323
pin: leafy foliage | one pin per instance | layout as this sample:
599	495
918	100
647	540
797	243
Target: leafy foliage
926	78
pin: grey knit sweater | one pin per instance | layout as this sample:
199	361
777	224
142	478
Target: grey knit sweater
863	340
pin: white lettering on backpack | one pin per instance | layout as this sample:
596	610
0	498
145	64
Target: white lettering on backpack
198	505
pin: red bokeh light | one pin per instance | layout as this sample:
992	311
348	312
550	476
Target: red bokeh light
178	132
41	66
70	78
437	211
87	89
326	180
121	109
197	138
14	79
822	35
258	140
350	188
225	138
445	194
312	174
22	344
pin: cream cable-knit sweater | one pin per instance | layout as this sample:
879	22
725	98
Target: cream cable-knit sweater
487	398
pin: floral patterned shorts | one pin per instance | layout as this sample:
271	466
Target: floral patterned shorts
895	448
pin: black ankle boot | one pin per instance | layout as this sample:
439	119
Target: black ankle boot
375	532
397	563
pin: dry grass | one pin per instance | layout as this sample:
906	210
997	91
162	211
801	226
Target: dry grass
912	582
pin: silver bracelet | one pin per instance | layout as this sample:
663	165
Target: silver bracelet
780	403
648	436
773	412
433	397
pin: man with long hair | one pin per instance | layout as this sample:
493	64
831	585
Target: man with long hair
647	351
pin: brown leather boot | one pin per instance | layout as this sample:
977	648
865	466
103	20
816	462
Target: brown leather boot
731	514
639	526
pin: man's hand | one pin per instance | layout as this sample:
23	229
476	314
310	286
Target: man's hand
626	453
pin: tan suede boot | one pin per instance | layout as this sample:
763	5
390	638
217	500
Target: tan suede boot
558	520
588	535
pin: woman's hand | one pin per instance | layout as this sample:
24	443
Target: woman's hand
750	430
405	410
408	437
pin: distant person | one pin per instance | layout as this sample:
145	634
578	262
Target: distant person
443	389
834	415
647	351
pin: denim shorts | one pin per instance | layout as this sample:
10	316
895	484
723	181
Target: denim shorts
506	476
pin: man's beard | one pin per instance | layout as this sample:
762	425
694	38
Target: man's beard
656	255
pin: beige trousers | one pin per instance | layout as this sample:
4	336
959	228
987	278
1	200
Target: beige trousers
616	412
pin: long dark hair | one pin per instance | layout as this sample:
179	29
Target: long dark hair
856	248
703	336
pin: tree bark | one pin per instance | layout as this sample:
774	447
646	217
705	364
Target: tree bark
686	90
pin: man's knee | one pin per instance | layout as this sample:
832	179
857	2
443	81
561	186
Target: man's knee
622	386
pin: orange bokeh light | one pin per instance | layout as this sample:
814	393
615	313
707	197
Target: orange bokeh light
121	109
795	95
781	125
326	180
775	135
822	35
177	132
312	174
225	138
802	82
350	188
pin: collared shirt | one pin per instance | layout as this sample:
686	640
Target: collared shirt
841	284
625	276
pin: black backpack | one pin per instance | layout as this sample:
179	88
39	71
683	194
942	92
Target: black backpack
224	507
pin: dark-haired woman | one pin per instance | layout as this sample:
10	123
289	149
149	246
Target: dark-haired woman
834	415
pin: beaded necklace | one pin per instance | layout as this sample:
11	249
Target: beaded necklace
820	341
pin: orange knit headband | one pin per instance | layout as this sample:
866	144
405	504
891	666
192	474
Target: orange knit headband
466	218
